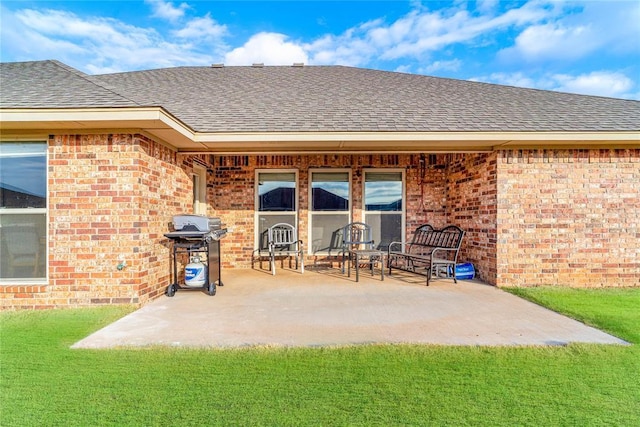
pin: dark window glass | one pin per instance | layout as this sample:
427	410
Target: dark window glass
277	192
330	191
23	175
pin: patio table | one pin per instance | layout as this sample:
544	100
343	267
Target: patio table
371	256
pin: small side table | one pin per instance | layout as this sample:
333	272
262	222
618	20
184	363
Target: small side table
371	255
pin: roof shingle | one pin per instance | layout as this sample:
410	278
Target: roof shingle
51	84
316	98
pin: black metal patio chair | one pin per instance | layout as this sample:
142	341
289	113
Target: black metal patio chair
283	242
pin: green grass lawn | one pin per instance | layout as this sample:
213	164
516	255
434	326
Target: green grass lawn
44	382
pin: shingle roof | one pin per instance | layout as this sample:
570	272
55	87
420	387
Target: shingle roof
52	84
318	98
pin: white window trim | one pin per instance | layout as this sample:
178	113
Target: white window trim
256	201
33	211
404	196
311	212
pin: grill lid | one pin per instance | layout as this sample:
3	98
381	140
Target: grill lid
196	223
196	227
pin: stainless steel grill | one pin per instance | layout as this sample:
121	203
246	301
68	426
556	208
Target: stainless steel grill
200	235
196	227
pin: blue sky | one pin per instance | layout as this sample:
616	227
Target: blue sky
589	47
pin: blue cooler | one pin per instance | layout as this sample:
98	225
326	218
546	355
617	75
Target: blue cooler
464	271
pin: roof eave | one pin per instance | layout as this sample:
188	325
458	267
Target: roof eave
158	123
246	142
154	121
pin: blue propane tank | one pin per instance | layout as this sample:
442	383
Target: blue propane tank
464	271
195	273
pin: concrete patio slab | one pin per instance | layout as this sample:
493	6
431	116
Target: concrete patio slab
323	307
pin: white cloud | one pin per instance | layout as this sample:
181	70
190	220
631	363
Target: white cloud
166	10
518	79
599	83
428	32
602	83
97	44
269	49
201	28
577	34
452	65
554	41
487	6
418	34
95	31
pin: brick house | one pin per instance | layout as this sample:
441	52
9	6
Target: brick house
94	167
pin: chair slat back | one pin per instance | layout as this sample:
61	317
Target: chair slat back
282	234
357	234
449	237
452	236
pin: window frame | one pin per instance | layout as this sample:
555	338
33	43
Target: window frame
32	211
402	212
199	183
256	205
311	212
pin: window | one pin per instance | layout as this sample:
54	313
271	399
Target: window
276	201
384	205
330	209
199	179
23	210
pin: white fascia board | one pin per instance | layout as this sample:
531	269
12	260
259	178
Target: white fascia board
154	121
93	118
496	138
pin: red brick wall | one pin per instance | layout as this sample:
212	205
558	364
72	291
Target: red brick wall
165	189
569	217
110	199
472	205
532	217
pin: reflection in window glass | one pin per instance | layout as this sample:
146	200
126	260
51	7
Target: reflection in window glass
276	202
383	191
330	191
23	175
330	210
276	192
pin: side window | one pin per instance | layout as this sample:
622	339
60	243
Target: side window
23	210
199	181
330	209
276	201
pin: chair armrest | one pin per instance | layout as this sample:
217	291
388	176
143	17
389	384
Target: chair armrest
436	250
393	245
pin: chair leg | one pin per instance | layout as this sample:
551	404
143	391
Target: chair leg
273	265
